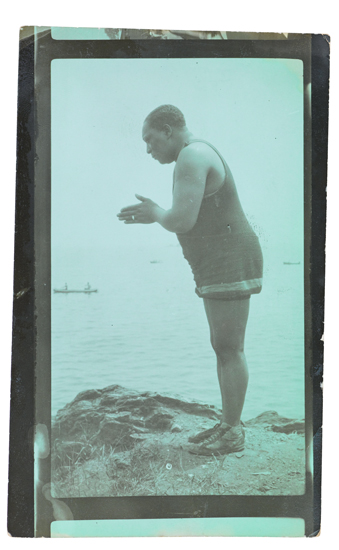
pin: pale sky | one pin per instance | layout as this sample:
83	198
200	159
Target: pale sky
250	109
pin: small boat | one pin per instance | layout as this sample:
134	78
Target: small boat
291	263
65	290
61	291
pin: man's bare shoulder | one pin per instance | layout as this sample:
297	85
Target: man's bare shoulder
196	153
202	156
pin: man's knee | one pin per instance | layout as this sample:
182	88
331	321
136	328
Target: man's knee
227	350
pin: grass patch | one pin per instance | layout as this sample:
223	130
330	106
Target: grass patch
151	468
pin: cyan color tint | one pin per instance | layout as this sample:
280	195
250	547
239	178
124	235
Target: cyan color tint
217	527
252	111
78	33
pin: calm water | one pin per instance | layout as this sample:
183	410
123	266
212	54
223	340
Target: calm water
146	329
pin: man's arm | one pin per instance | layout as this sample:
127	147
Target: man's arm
189	187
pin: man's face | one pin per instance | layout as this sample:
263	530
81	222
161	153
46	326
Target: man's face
158	143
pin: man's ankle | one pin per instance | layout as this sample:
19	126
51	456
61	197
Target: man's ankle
225	424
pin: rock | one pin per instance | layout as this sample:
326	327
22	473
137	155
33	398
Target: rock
268	418
115	418
99	415
197	409
176	428
87	395
277	423
297	426
160	421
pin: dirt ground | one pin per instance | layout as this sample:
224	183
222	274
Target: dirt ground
160	464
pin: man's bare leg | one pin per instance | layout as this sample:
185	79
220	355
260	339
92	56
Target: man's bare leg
227	321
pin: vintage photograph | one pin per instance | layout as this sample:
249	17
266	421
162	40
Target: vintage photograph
177	277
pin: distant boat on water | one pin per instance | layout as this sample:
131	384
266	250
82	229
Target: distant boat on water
65	290
291	263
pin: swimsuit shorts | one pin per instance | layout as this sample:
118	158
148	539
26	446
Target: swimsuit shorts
225	267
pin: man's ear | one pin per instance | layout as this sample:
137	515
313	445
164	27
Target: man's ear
168	130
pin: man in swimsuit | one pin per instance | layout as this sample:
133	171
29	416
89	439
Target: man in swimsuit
204	189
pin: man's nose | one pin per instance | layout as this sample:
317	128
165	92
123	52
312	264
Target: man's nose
149	149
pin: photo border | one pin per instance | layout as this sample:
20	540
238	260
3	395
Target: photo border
31	380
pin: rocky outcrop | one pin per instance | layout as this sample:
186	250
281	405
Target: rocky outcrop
118	418
119	442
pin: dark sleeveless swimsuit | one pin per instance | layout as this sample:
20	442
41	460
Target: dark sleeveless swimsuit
223	251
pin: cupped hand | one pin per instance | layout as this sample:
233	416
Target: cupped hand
143	212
